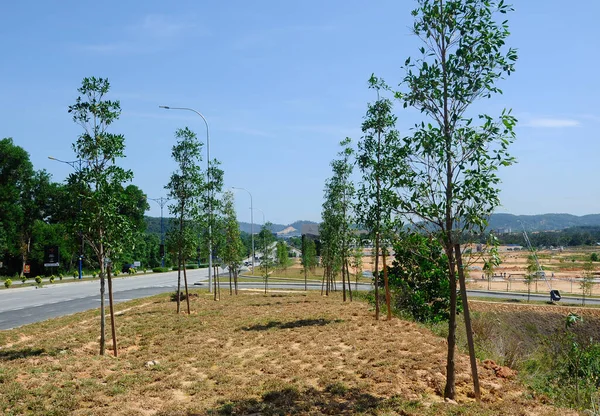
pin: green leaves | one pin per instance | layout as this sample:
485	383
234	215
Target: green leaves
109	214
233	249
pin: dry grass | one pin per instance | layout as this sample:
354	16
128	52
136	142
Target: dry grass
285	353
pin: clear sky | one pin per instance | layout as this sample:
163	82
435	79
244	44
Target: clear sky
281	83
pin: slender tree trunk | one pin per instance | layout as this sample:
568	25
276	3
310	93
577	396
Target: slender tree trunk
25	255
349	284
388	298
230	281
187	295
343	278
180	255
333	281
102	290
216	285
305	279
235	277
449	390
469	329
179	282
375	276
323	282
111	304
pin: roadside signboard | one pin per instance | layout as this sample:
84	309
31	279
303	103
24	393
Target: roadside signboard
27	269
137	263
51	256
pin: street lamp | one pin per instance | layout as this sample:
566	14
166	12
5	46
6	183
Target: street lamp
162	201
209	193
77	165
251	223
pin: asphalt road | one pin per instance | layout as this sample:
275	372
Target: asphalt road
22	306
26	305
533	297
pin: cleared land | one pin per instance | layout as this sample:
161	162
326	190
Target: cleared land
285	353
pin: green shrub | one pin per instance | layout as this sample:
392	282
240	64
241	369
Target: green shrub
94	274
38	280
160	269
192	266
418	280
132	271
51	279
7	283
75	275
23	278
60	276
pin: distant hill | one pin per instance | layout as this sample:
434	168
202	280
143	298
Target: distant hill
277	228
542	222
153	226
501	222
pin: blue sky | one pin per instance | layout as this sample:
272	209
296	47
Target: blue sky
281	83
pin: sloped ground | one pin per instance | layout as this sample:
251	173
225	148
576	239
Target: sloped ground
285	353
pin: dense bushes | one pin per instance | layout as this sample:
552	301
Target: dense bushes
419	279
191	266
556	356
160	269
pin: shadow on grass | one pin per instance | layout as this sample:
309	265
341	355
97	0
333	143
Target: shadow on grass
294	324
9	355
336	399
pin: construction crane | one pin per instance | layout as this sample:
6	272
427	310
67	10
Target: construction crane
540	272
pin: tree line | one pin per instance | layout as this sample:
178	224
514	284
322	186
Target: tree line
97	215
428	191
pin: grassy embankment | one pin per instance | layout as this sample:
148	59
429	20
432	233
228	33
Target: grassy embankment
283	353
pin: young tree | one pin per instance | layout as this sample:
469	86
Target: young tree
447	179
587	281
336	233
488	270
378	157
233	250
309	257
265	244
357	261
212	204
185	188
104	228
283	259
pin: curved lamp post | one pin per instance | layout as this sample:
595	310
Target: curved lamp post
209	192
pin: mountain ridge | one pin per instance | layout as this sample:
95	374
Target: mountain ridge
502	222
